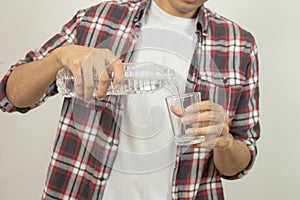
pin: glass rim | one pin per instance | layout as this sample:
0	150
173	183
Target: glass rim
183	95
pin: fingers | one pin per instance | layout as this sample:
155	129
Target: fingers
207	143
78	84
210	119
109	57
215	130
177	110
204	106
84	83
202	117
103	82
88	75
214	141
101	62
110	64
118	70
206	119
103	78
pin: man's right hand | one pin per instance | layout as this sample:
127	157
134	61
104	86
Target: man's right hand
84	62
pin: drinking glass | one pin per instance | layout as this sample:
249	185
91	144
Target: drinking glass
181	102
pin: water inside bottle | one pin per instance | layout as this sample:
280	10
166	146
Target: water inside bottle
138	82
65	83
133	86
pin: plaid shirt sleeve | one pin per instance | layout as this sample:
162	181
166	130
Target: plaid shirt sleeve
245	124
66	36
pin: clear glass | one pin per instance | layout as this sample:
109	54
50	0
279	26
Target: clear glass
182	101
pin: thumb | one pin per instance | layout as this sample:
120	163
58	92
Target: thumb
177	110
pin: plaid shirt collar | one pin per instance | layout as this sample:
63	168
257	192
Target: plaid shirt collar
201	21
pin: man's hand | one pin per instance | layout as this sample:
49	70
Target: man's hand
84	62
210	120
231	156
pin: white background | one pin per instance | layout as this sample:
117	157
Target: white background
26	140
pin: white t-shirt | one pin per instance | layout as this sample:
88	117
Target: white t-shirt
145	160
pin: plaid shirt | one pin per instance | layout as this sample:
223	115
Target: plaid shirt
224	69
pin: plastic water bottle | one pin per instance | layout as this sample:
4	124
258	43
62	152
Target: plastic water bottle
139	78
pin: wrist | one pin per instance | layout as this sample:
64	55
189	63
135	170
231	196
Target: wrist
57	58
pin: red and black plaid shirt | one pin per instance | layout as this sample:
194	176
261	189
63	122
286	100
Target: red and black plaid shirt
224	69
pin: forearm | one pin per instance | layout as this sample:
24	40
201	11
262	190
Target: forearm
28	82
233	158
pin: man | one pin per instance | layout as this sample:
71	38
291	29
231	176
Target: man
110	33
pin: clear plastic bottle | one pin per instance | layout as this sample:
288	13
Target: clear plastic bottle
139	78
